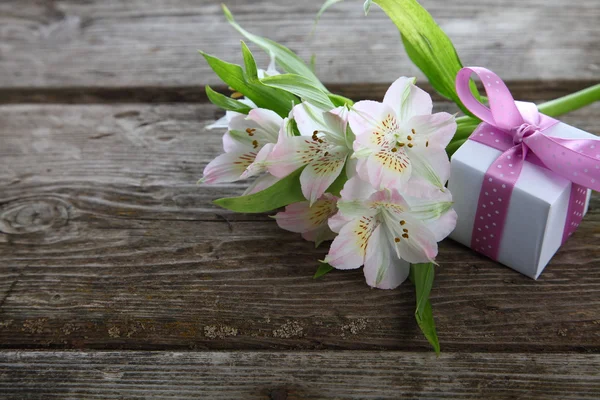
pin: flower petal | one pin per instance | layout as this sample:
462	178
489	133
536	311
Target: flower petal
337	222
432	165
383	269
418	102
261	183
291	153
414	242
259	165
443	226
268	121
308	118
222	122
397	93
320	174
230	144
374	125
435	210
227	167
301	217
386	169
319	235
356	189
348	249
336	122
431	131
259	127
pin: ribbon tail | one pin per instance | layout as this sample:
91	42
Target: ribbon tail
494	199
577	160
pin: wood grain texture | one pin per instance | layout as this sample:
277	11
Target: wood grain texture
106	242
104	44
297	375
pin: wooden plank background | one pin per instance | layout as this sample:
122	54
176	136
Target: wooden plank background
107	243
298	375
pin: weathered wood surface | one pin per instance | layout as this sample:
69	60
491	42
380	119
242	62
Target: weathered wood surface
112	43
107	243
297	375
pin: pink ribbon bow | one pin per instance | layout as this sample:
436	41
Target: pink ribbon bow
517	129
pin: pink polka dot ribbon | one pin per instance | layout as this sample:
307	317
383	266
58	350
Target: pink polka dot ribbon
517	129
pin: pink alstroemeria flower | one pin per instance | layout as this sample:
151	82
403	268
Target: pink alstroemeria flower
400	139
322	148
310	221
385	231
247	144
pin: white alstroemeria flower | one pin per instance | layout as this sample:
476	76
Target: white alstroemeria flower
385	231
323	147
310	221
247	145
400	139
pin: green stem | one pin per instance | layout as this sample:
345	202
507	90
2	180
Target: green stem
571	102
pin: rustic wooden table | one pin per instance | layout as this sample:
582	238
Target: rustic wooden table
120	278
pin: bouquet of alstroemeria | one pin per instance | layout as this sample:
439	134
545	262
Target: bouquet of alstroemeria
371	176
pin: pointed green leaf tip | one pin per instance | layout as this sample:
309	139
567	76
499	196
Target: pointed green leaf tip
226	103
422	277
367	6
282	193
284	57
263	96
323	269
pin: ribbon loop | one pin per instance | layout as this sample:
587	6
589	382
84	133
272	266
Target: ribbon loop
503	112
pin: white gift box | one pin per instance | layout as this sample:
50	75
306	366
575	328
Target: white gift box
537	209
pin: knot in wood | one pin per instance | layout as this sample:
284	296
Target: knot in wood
33	215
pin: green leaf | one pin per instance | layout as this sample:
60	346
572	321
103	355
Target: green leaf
367	6
426	45
226	103
323	269
284	57
249	63
301	87
454	146
282	193
422	277
427	324
263	96
339	100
